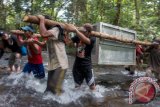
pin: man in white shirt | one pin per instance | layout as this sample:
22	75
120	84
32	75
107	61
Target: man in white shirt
58	61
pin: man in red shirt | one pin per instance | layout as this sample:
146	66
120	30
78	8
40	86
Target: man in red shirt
139	55
35	62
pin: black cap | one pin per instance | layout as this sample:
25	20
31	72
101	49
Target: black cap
1	33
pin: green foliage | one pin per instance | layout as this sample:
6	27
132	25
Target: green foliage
147	23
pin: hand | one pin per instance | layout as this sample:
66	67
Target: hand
41	17
30	41
35	41
141	53
155	44
71	28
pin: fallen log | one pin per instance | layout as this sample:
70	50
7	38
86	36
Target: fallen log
35	20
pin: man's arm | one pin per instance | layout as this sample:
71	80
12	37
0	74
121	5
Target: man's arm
37	35
21	41
35	47
81	36
40	43
42	29
149	48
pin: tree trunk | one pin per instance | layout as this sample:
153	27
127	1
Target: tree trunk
21	33
114	38
118	13
52	11
17	32
35	20
159	10
101	10
3	15
137	11
32	9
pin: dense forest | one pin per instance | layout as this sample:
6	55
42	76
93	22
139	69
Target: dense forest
143	16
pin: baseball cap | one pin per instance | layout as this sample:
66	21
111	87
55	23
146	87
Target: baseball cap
27	28
86	27
1	33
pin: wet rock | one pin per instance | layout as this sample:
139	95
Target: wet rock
109	80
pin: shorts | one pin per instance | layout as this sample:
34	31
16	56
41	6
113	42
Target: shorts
37	70
55	80
13	60
80	73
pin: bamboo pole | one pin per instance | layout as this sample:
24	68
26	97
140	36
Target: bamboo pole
35	20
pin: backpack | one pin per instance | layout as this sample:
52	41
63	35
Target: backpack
62	36
23	50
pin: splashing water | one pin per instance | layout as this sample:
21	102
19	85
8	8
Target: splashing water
70	93
21	85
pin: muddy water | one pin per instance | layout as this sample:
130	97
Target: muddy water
21	90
